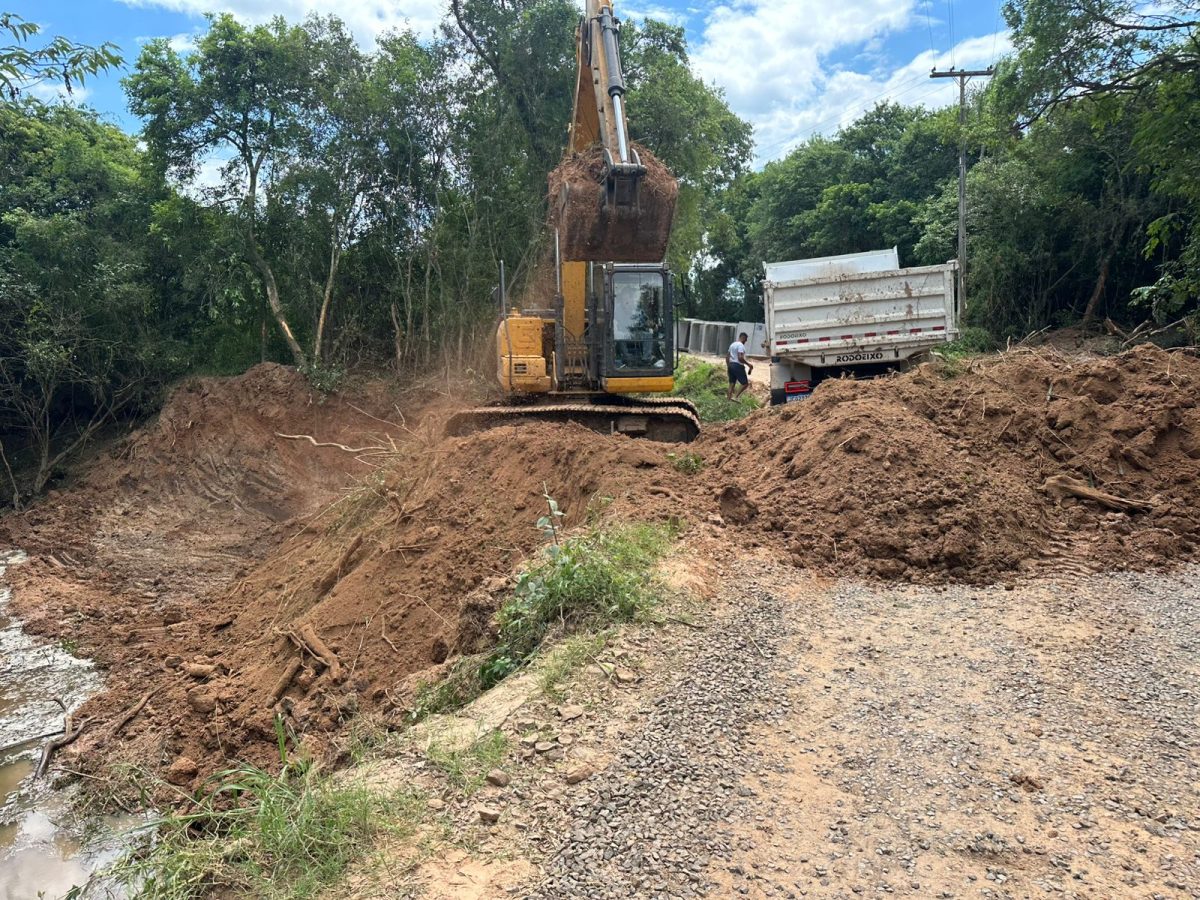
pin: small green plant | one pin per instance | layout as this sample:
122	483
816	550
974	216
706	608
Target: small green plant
467	769
549	525
256	834
952	356
69	645
688	463
323	377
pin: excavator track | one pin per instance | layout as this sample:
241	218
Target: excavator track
666	419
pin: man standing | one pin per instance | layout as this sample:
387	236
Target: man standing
739	367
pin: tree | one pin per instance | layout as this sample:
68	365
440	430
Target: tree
81	332
239	100
60	60
1067	49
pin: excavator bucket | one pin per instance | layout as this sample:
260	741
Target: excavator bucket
607	212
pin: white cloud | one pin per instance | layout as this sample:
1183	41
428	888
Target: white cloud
652	11
367	19
766	53
774	61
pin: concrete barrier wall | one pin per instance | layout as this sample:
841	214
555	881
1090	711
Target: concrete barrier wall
714	338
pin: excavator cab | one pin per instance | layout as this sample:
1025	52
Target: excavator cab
638	335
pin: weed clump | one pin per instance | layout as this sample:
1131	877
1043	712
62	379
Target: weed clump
589	581
256	834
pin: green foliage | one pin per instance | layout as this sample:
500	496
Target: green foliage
58	61
688	463
276	836
89	328
462	684
588	581
971	341
706	384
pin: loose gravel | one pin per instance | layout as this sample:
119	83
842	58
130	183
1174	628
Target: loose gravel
655	821
846	740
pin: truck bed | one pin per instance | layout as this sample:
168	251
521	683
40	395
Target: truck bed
861	317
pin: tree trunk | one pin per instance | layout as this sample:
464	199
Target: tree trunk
12	479
335	257
260	262
272	288
1090	312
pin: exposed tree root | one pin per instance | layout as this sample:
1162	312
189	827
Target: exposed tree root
285	680
70	733
128	715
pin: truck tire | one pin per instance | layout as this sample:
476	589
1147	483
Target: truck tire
778	396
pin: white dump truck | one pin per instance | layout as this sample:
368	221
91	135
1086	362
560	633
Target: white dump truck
858	313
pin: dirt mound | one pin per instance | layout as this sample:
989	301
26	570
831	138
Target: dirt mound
215	562
592	231
938	473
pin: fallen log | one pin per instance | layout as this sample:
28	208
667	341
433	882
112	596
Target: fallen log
285	680
1062	486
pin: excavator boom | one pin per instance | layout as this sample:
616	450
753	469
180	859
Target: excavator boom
610	202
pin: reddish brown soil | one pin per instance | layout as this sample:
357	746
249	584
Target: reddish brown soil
591	231
205	539
927	476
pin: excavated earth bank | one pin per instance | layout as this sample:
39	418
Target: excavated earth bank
976	474
210	563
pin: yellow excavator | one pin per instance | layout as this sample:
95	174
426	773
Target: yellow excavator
590	351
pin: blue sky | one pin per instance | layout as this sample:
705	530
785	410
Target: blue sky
791	67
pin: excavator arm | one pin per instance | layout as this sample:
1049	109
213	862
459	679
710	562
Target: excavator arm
599	115
612	200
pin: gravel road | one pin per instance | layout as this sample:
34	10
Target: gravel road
844	740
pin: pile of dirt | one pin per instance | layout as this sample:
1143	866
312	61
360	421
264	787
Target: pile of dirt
1028	461
231	574
591	230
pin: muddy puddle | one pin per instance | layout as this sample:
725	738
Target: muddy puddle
45	849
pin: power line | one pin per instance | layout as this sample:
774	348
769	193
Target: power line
929	25
950	7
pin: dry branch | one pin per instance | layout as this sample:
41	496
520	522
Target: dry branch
312	440
127	716
1065	486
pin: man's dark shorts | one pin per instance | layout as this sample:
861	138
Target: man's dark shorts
737	372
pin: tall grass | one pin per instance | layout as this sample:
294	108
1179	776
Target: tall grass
261	835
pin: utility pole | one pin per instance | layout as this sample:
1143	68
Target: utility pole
962	75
